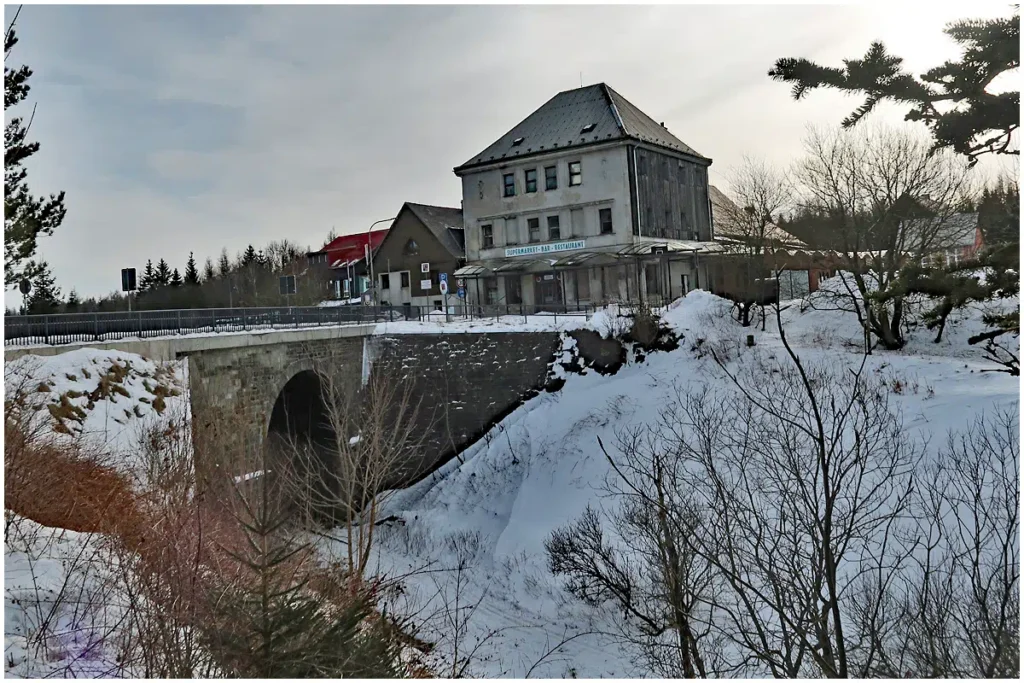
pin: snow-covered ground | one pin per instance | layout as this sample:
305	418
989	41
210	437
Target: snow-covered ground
61	603
104	399
491	510
61	594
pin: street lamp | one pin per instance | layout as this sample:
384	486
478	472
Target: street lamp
369	261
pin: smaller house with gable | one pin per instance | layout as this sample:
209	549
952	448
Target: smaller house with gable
422	243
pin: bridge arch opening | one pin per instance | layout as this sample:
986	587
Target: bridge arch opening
301	445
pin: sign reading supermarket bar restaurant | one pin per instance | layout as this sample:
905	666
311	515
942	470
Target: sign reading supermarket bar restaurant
545	248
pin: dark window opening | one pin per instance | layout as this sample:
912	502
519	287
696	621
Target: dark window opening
517	142
531	180
533	225
437	305
491	290
486	236
385	281
511	230
513	289
583	285
605	216
412	248
554	229
405	279
575	173
510	184
551	178
589	127
652	278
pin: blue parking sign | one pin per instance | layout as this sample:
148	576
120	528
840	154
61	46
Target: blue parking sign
444	277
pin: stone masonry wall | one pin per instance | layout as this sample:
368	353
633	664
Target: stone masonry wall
467	383
232	393
464	383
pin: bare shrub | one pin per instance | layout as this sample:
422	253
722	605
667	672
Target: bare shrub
955	609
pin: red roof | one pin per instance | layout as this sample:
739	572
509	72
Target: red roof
352	247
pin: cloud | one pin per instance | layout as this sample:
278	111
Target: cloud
188	128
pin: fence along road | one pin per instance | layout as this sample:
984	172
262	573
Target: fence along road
68	328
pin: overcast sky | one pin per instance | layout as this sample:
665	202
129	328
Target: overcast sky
176	129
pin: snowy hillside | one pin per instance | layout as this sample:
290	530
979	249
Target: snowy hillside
490	511
102	399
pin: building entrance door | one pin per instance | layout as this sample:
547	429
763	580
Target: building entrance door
548	289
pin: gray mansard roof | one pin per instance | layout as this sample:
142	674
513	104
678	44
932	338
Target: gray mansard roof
559	124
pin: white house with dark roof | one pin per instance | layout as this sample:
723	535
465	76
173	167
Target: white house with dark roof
587	200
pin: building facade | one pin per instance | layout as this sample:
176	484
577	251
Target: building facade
422	243
586	201
343	264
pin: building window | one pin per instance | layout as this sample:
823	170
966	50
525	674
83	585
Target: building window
550	177
531	180
491	290
606	221
554	229
437	304
513	289
582	285
510	184
533	225
486	236
575	173
385	281
411	248
511	230
588	128
405	279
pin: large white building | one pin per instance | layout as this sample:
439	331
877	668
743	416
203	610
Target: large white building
587	200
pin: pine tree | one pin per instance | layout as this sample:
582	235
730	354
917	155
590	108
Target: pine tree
191	272
208	272
261	259
269	624
73	302
147	281
980	122
45	296
224	264
249	256
175	279
163	274
331	236
26	217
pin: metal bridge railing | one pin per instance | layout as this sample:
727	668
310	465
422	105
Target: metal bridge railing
67	328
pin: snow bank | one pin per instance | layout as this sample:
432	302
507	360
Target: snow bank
61	615
105	399
542	466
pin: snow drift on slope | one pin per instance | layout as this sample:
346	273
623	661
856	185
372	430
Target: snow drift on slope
490	510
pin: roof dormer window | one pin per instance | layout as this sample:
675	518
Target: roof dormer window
589	127
517	142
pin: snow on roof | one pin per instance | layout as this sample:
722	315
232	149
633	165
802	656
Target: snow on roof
957	230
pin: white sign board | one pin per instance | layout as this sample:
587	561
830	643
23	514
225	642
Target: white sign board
425	284
552	248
